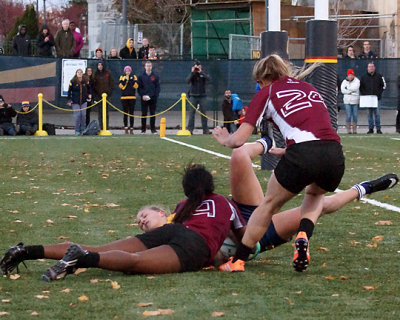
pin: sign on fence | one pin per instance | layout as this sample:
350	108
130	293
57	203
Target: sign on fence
69	67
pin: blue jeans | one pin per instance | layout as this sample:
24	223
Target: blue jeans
79	117
374	113
351	112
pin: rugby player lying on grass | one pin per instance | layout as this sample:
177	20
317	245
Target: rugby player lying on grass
166	248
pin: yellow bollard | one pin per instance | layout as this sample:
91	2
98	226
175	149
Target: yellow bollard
40	132
183	132
163	125
104	132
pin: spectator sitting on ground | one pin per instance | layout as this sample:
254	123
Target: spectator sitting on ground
144	50
6	114
21	43
27	120
78	39
45	42
128	52
65	41
113	54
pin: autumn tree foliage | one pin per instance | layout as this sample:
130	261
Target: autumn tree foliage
29	19
10	11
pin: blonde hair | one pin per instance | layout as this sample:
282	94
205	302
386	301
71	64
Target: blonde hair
273	67
155	207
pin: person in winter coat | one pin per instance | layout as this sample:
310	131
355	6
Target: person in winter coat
45	42
102	83
350	88
21	42
373	83
128	52
27	120
90	78
6	114
65	41
78	94
78	39
128	83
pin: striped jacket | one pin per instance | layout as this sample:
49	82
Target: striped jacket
128	86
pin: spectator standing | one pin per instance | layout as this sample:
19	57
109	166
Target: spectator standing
102	83
128	83
367	53
22	42
98	54
197	92
6	114
65	41
350	53
128	52
350	88
27	120
45	42
78	94
228	112
149	89
373	83
144	50
152	54
89	76
113	54
78	39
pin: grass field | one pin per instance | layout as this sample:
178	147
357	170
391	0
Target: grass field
88	189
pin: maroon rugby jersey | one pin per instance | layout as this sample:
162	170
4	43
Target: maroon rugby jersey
213	219
296	108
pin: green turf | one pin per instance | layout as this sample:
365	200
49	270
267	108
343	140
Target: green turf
88	189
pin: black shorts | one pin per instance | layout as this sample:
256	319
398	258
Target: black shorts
271	238
191	249
320	162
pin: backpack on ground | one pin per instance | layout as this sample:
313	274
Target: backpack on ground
92	129
49	128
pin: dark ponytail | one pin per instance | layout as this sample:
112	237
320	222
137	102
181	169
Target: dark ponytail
197	182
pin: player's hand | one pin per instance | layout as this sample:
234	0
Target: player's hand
277	151
221	135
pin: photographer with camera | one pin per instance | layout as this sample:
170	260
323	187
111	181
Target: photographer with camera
6	114
197	93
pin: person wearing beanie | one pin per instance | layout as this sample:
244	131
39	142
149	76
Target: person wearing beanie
6	114
128	52
128	83
350	88
27	120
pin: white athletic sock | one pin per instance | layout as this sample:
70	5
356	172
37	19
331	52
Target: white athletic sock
360	189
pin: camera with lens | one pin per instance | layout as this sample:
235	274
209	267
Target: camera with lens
196	65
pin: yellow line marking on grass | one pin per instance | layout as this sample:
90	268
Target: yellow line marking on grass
365	200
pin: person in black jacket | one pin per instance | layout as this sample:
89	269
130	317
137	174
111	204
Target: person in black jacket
373	83
228	112
197	80
128	52
45	42
6	114
79	92
27	120
149	89
128	83
102	83
144	50
21	43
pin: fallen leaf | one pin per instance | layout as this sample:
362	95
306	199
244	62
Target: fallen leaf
111	205
49	221
151	313
34	313
343	278
370	287
329	278
372	245
323	265
111	231
80	270
377	238
352	233
83	298
72	217
148	178
323	249
217	314
384	223
65	204
105	175
62	238
357	208
94	280
115	285
145	304
335	295
6	300
4	313
66	290
234	294
14	276
40	297
166	311
150	277
214	172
